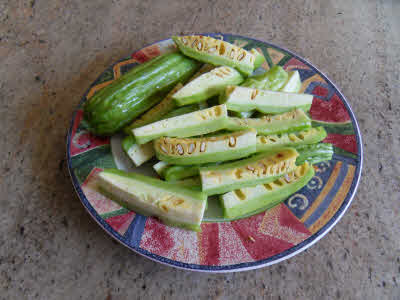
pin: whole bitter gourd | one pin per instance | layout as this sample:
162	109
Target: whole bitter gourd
115	106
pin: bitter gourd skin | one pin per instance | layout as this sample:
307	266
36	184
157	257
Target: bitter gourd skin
273	79
261	168
207	85
241	99
117	104
189	151
156	113
139	154
192	124
171	203
273	141
314	153
287	122
216	52
252	200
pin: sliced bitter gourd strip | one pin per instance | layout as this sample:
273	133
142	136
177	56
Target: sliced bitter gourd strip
293	83
207	85
287	122
216	52
241	99
139	154
314	153
272	80
273	141
160	168
252	200
261	168
189	151
173	204
174	173
191	124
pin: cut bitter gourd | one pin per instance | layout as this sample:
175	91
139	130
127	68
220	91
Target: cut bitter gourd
217	52
202	150
139	154
264	196
207	85
174	173
155	113
160	168
261	168
171	203
287	122
273	141
240	99
293	83
259	58
191	124
272	80
314	153
116	105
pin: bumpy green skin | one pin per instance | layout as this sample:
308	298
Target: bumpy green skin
192	124
206	149
175	173
116	105
241	99
157	112
309	136
272	80
216	52
173	204
287	122
252	200
293	83
207	85
261	168
314	153
139	154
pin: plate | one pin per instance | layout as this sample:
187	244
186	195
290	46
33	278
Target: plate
223	245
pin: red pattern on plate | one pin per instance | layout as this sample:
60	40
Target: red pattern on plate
83	140
146	53
343	141
209	244
270	233
329	111
320	91
231	248
294	63
121	223
170	242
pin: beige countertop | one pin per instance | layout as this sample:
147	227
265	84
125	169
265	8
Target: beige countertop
50	52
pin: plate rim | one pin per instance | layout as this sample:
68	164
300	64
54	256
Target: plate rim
246	266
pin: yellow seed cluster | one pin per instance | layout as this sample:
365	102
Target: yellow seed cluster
215	47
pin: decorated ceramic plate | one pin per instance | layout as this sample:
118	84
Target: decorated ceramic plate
225	245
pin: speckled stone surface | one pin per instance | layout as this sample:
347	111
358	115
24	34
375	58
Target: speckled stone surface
50	51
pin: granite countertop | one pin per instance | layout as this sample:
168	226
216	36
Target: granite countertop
50	51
